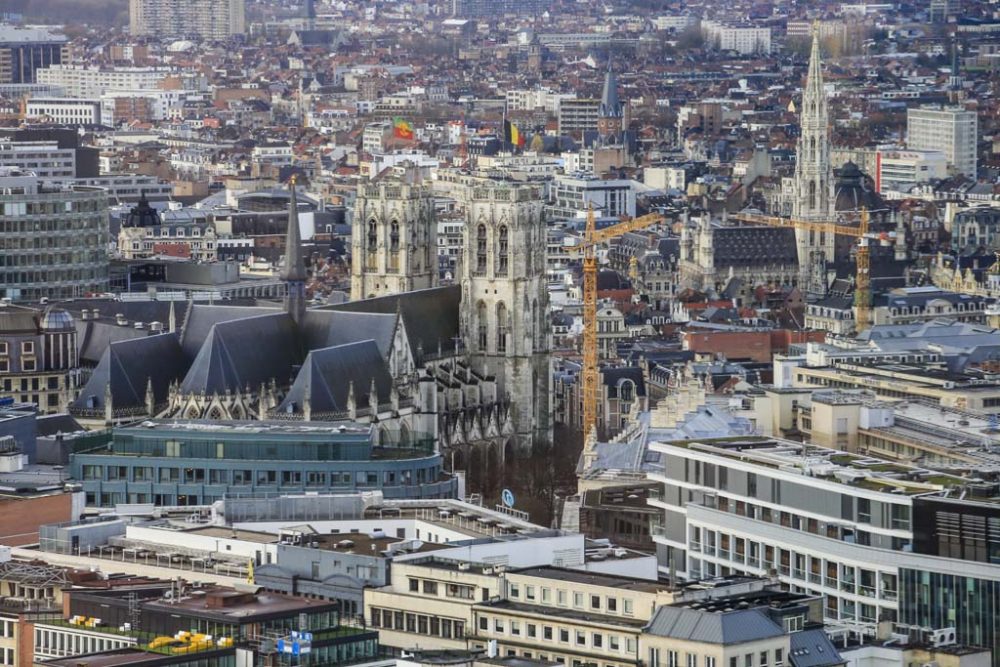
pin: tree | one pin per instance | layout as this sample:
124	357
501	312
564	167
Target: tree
537	143
691	38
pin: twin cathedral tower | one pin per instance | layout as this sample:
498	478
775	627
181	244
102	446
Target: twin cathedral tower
503	312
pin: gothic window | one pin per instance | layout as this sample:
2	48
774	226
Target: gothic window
372	244
502	327
481	249
812	195
394	246
503	255
481	324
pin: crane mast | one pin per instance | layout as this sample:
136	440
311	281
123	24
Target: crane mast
592	237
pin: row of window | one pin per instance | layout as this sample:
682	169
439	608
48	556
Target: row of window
431	587
424	625
116	473
658	658
581	639
543	595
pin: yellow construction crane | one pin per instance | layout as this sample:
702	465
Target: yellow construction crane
592	238
862	283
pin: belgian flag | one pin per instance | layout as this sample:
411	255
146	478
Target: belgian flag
512	135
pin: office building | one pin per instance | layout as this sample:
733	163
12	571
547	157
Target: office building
199	462
64	111
903	170
745	40
830	523
53	240
951	130
578	115
208	19
571	196
25	50
39	362
480	9
90	82
45	158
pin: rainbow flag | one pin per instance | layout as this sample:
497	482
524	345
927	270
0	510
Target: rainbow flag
401	129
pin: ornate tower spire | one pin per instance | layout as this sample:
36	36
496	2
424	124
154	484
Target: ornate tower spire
813	196
610	114
294	270
813	172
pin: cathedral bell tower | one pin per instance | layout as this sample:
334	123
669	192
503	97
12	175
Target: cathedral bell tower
393	239
505	306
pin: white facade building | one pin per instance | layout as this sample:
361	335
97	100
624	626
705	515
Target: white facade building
951	130
901	170
65	111
92	82
742	39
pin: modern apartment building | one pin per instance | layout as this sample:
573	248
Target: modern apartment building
828	523
207	19
951	130
45	158
578	115
53	241
79	81
25	50
571	195
742	39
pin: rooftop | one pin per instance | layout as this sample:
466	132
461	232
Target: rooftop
593	579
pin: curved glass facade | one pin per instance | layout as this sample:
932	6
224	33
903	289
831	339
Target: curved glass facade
197	463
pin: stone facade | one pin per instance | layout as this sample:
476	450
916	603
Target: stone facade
393	240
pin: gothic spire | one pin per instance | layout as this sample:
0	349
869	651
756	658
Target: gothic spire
611	106
814	80
295	268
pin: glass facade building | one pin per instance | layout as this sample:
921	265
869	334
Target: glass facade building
937	600
199	462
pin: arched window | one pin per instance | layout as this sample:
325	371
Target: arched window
481	249
502	327
812	196
394	246
626	391
372	244
504	251
481	323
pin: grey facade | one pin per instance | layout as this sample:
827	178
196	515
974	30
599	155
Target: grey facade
53	241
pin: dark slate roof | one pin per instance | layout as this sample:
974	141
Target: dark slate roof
329	328
813	648
204	317
754	246
429	315
732	627
95	336
244	353
128	365
612	376
17	319
58	423
327	375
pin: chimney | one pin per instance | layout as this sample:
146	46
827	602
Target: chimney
156	327
84	314
120	320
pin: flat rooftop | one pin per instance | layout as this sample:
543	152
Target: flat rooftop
830	465
593	579
255	427
131	657
237	606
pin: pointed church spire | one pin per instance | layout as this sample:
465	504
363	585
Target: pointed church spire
814	80
295	268
611	106
294	271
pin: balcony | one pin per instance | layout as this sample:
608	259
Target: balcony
694	547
